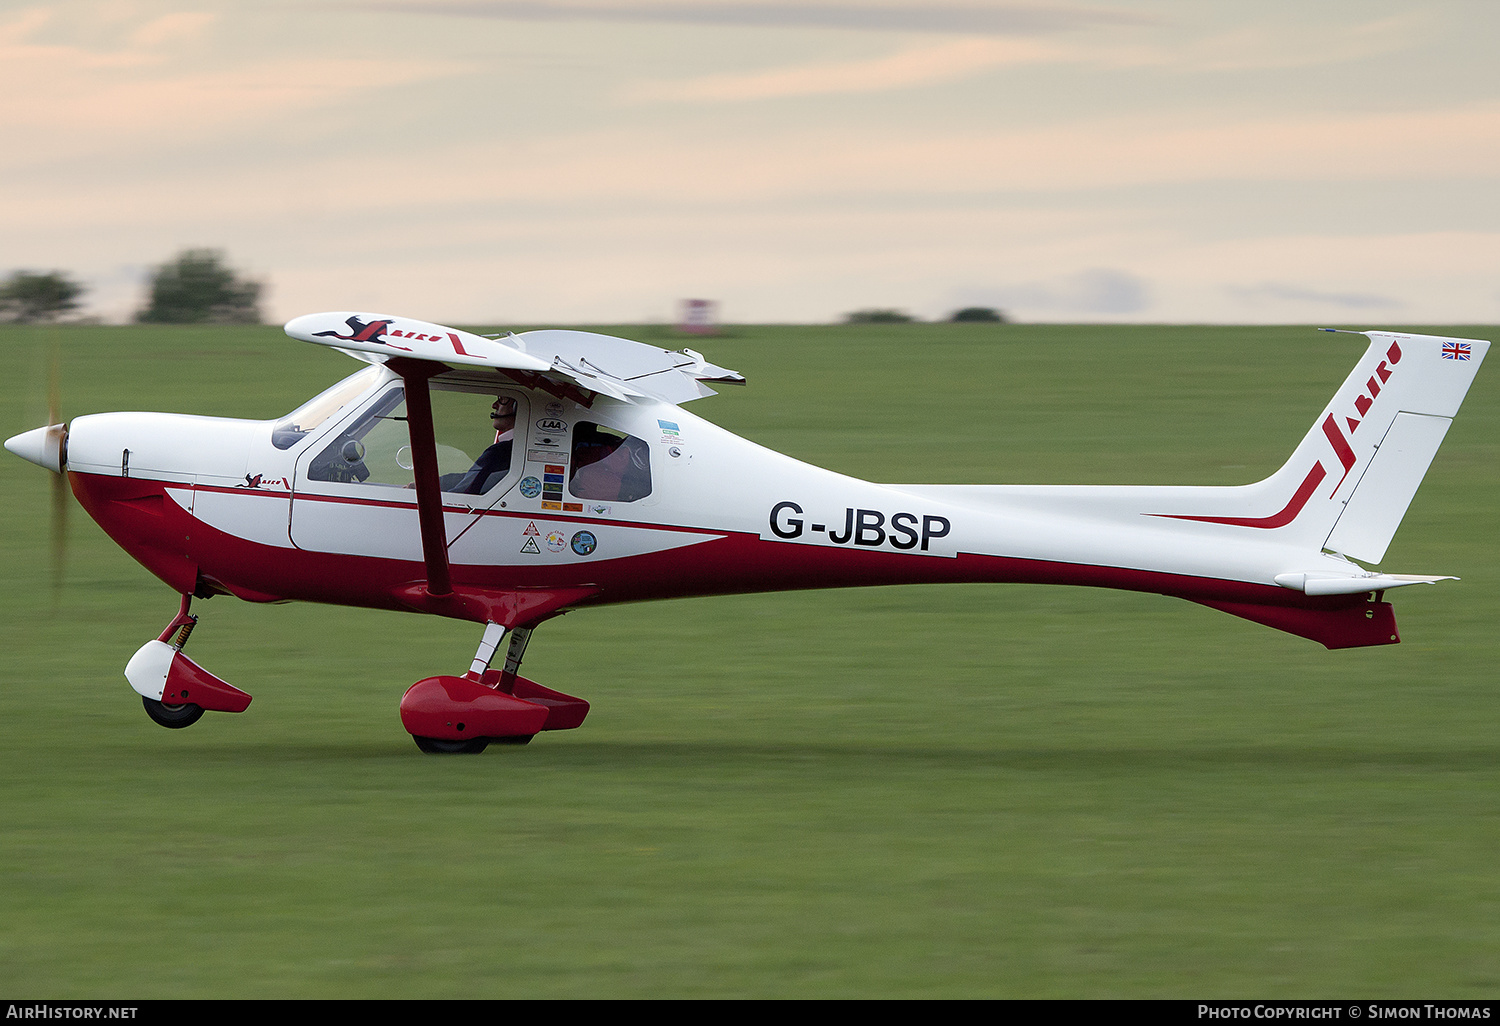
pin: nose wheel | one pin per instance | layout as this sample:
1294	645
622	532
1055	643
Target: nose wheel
174	717
175	690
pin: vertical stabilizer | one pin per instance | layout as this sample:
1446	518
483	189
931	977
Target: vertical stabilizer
1378	436
1352	477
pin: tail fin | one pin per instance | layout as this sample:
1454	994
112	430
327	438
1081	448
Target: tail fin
1351	479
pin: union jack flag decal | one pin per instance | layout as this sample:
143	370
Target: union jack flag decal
1456	350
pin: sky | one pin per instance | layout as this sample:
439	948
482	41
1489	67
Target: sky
598	161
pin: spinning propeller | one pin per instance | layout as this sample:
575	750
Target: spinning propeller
48	447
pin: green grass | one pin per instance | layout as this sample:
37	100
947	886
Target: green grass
918	792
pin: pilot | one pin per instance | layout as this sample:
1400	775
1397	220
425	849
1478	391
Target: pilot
494	463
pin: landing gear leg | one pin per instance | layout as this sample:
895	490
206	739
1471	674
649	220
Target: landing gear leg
493	635
507	682
518	639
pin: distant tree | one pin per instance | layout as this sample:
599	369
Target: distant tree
878	317
28	296
197	287
970	314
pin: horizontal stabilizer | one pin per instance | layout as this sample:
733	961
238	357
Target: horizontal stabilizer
1315	584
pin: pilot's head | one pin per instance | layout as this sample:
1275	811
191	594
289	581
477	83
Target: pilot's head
503	413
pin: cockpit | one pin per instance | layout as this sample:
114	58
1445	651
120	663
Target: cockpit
481	451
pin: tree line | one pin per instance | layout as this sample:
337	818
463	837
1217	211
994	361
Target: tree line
198	287
968	315
195	287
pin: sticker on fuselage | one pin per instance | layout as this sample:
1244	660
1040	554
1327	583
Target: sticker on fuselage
870	528
552	486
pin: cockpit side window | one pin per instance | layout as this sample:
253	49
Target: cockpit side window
608	465
473	426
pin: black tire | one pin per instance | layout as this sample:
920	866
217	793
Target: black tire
517	739
174	717
443	746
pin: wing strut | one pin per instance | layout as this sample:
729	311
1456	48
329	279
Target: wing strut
425	466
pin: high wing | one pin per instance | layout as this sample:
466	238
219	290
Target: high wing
600	364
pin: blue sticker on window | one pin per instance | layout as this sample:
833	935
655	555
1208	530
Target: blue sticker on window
530	487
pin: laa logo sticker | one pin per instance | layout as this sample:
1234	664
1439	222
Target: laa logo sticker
584	542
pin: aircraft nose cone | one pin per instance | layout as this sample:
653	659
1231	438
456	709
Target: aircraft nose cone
42	446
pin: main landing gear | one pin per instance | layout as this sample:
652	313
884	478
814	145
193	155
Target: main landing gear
175	690
464	715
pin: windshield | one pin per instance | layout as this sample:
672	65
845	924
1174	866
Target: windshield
296	425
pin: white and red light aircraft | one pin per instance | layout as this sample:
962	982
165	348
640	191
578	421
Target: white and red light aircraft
505	480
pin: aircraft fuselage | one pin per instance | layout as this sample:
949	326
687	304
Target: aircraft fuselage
212	505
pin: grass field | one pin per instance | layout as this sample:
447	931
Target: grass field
923	792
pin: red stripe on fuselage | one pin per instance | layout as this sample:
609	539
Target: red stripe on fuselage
352	500
1286	516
